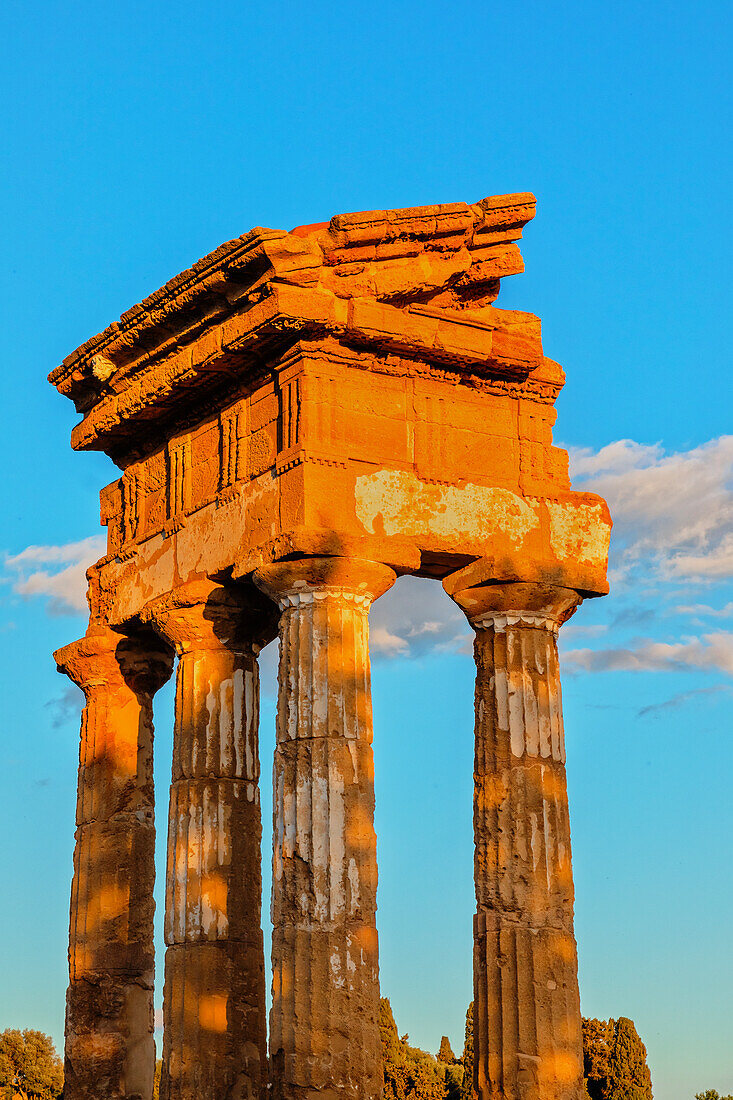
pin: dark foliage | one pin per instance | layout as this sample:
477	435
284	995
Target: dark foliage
614	1060
467	1092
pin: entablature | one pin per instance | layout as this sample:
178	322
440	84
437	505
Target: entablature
347	388
419	282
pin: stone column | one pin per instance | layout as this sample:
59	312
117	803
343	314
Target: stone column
324	1023
215	1039
110	1049
527	1026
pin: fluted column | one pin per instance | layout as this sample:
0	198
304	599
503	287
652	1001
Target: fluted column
324	1023
214	1040
109	1049
527	1025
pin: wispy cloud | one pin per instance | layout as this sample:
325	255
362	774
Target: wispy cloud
705	611
673	513
57	573
581	630
712	651
66	706
680	699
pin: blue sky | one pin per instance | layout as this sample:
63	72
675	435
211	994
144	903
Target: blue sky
137	138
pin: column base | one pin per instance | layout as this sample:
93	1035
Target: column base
324	1022
214	1040
110	1049
526	1002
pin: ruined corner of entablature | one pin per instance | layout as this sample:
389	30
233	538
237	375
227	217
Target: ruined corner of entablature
211	613
98	596
113	654
106	659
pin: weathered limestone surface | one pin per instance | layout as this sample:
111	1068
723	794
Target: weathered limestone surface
319	411
109	1034
324	895
346	388
215	1039
527	1026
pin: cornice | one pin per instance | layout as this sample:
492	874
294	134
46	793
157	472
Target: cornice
455	251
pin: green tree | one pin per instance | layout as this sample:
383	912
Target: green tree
445	1054
467	1085
614	1061
29	1066
711	1094
409	1073
452	1070
630	1076
597	1041
391	1047
454	1081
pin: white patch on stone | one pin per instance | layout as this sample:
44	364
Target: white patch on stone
303	819
227	724
396	502
337	978
288	826
337	840
515	699
320	834
579	533
212	727
251	762
353	886
535	841
239	718
546	825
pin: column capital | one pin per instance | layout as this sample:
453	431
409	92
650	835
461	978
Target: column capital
489	604
104	660
207	615
303	580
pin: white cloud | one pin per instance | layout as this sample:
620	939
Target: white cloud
712	652
580	630
614	458
382	641
706	610
672	512
67	552
63	581
414	618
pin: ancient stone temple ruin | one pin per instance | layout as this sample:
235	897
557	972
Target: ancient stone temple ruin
300	419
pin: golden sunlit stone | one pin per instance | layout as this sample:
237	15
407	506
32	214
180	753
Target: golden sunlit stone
299	419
